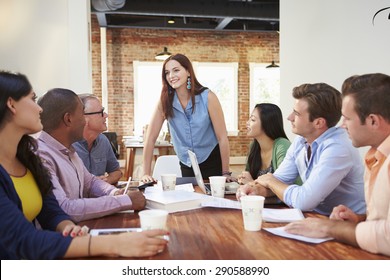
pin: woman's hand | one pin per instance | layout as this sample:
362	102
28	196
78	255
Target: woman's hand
147	178
142	244
244	178
75	230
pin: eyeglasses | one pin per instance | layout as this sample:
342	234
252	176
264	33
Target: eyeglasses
101	112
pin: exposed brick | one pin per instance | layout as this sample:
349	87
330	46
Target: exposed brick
126	45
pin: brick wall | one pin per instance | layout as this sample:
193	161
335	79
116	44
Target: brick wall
126	45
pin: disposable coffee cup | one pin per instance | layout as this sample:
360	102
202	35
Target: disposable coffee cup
252	209
217	185
153	219
168	182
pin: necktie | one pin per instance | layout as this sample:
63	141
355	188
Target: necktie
308	153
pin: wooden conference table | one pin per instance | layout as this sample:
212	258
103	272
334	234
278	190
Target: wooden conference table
216	233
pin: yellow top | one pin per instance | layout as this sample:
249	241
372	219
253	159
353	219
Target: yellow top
28	192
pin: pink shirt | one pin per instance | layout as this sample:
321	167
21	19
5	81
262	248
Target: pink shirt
80	194
373	234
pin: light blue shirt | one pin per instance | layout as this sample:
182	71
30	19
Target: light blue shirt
192	131
332	176
100	159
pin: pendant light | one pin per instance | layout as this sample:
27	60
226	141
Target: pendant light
163	55
272	65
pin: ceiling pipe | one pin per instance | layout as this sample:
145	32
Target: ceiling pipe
107	5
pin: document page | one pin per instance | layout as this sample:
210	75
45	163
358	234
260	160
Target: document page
281	232
269	214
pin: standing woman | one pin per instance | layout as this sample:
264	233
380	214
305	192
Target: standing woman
25	192
195	119
270	143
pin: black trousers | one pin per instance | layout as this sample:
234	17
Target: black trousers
212	166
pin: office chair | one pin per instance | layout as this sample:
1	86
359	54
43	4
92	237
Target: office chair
168	164
113	141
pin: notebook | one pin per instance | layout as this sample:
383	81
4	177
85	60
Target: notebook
230	188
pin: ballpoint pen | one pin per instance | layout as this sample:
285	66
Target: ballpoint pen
127	185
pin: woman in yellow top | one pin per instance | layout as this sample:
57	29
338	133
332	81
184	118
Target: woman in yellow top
25	193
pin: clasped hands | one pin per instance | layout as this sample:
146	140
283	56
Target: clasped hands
260	186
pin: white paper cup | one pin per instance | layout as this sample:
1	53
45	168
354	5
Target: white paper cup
153	219
217	185
252	208
168	182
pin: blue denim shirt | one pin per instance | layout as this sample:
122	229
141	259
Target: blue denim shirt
332	176
101	159
192	131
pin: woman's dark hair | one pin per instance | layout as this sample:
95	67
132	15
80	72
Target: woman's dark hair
167	92
16	86
272	124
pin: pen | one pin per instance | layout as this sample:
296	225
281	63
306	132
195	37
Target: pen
127	185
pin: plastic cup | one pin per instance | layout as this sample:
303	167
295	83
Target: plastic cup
153	219
168	182
217	185
252	208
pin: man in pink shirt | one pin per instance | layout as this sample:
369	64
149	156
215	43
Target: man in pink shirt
79	193
366	111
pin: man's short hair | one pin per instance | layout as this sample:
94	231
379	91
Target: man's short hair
371	93
324	101
55	104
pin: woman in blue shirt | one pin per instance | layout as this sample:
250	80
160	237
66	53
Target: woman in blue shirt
195	120
25	193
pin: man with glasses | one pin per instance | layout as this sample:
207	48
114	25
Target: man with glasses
95	149
80	194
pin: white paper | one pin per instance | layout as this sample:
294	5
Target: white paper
281	232
269	214
282	215
221	203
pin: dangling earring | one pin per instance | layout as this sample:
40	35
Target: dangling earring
188	83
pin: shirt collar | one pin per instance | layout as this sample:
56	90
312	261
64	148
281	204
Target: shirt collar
52	142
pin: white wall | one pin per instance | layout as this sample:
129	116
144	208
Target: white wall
328	41
48	41
331	40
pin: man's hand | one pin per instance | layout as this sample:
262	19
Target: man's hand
138	199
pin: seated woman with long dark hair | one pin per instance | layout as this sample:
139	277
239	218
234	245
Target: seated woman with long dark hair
26	197
270	143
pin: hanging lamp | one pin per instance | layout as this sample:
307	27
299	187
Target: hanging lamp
272	65
163	55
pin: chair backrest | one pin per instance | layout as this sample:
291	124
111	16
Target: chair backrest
166	164
113	141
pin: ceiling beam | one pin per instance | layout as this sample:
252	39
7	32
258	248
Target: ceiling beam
252	10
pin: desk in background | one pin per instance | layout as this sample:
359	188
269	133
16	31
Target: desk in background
131	148
216	233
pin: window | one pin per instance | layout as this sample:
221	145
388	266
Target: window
264	85
221	78
147	90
